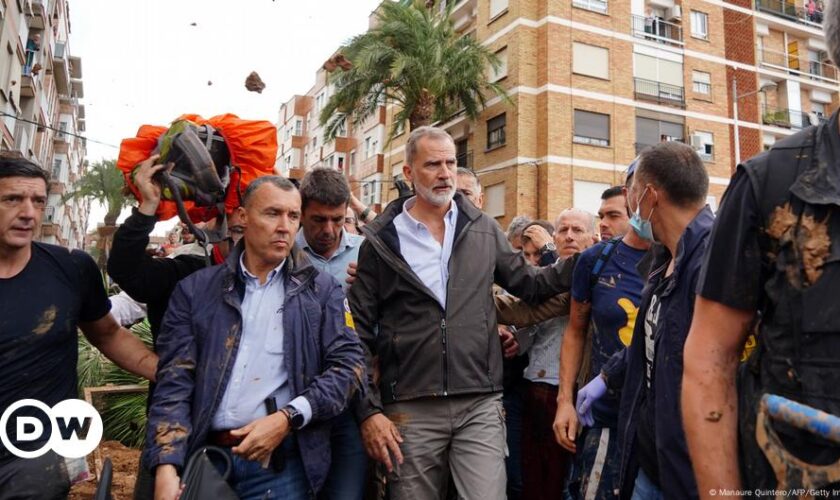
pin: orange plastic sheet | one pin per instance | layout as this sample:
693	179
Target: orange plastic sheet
252	146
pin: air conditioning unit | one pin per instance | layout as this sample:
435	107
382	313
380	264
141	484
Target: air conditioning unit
696	142
674	13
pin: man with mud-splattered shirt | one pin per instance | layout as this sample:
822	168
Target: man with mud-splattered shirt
774	255
46	291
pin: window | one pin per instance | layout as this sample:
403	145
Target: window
314	142
590	60
371	189
353	158
494	200
56	169
699	25
650	131
593	5
704	142
298	127
289	161
501	71
497	7
374	147
496	131
702	82
367	147
818	109
592	128
319	102
587	195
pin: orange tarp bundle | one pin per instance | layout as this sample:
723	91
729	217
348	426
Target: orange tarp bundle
252	146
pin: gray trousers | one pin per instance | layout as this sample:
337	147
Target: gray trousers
464	435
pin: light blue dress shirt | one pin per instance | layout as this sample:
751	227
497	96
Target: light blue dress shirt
427	258
335	266
259	371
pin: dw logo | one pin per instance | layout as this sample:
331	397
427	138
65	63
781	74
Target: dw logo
76	428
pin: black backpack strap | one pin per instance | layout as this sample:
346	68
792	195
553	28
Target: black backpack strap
603	258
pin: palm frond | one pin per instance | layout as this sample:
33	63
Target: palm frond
413	53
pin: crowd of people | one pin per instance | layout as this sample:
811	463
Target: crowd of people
424	352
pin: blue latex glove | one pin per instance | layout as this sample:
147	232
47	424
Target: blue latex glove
590	393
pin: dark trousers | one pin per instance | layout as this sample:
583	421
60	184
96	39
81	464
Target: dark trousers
544	462
44	478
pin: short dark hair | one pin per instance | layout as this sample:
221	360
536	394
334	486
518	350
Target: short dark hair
274	180
326	186
676	169
539	222
612	192
11	166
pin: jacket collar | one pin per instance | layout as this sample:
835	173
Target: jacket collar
691	240
298	269
466	210
818	182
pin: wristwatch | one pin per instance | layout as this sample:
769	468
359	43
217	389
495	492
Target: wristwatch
548	247
295	417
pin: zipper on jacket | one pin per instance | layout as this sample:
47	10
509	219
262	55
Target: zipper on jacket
445	362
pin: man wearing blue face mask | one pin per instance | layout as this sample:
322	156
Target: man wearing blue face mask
668	200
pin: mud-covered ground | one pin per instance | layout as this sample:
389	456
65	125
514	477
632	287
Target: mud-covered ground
125	462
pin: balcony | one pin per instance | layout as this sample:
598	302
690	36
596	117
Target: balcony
799	65
49	229
57	187
27	86
785	118
791	11
37	19
656	29
660	93
61	70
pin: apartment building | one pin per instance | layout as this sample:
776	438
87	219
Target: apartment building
42	119
593	82
356	151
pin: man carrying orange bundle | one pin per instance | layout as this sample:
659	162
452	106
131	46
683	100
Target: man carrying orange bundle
248	152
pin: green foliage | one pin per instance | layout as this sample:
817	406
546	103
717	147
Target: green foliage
123	415
415	58
103	182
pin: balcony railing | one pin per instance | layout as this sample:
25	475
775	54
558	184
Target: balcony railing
465	159
792	11
785	118
659	30
658	92
798	64
593	5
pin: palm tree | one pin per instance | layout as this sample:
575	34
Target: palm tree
123	415
415	58
104	183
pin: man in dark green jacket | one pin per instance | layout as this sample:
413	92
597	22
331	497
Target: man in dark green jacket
423	306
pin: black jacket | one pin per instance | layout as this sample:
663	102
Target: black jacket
147	279
421	348
625	371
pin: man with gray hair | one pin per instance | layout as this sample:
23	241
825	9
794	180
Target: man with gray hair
774	254
423	306
470	186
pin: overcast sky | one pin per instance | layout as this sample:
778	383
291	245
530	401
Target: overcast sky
143	62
